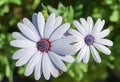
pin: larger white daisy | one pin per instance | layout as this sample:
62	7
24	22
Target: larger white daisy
90	38
43	46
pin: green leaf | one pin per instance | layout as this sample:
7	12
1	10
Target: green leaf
17	2
115	16
8	71
51	9
77	70
70	15
35	3
4	9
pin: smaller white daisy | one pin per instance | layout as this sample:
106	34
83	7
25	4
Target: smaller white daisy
43	46
91	38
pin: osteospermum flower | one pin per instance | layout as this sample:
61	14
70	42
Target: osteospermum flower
91	38
43	46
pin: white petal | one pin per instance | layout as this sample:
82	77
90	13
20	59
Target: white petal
34	21
59	32
102	48
57	61
53	69
38	68
66	58
95	54
49	25
22	52
81	54
23	44
75	33
31	65
104	42
29	24
103	34
45	66
18	35
67	40
90	23
87	56
25	57
28	32
58	22
79	45
80	39
63	49
79	27
41	23
18	54
96	27
102	23
84	25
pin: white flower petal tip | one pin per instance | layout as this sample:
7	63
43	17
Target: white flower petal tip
57	61
77	60
23	44
81	54
43	46
67	58
103	49
104	42
86	62
89	35
58	33
58	22
41	23
110	43
95	54
28	32
49	25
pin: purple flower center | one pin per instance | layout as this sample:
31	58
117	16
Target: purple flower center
43	45
89	39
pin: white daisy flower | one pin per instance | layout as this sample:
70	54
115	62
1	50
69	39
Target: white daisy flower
91	38
43	46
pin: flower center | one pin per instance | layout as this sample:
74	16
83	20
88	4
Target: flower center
89	39
43	45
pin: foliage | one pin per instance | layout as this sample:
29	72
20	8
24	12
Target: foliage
13	11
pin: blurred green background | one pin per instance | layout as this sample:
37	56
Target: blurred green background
13	11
